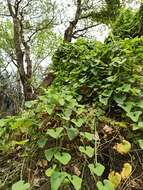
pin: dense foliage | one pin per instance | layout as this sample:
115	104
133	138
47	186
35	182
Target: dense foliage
93	108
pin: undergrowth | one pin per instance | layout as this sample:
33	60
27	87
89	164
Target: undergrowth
85	130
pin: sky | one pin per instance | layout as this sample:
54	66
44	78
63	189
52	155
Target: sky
100	32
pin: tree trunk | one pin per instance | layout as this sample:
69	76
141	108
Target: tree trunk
18	40
69	31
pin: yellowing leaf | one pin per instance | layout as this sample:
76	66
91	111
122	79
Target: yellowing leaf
126	171
114	178
124	147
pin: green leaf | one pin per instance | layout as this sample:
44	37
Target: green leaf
50	171
140	104
20	185
88	136
61	101
49	109
120	99
21	142
22	122
50	153
57	179
72	132
67	113
78	122
106	185
107	93
41	143
134	116
29	104
88	150
2	122
63	157
124	88
55	133
127	106
138	126
112	78
76	181
140	143
103	100
97	169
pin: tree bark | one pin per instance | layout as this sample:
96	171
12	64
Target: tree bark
72	25
18	40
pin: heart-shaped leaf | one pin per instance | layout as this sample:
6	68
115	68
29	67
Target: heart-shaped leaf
57	179
124	88
61	101
76	181
72	132
41	143
55	133
134	116
88	150
126	171
127	106
97	169
78	122
50	153
103	100
140	141
124	147
20	185
114	178
63	157
106	185
88	136
50	171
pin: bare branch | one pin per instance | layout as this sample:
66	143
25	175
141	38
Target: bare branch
84	29
10	8
38	30
16	6
27	4
69	31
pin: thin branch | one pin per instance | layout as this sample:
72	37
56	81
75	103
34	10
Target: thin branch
38	64
39	29
10	8
27	4
84	29
16	6
69	31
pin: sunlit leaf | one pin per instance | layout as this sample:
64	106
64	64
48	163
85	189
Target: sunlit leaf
114	178
97	169
20	185
57	179
55	133
126	171
76	181
63	157
88	150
